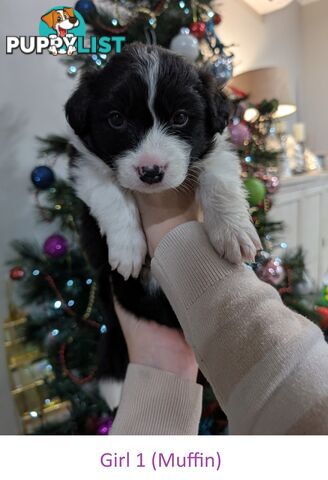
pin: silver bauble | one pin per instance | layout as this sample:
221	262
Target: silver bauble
185	44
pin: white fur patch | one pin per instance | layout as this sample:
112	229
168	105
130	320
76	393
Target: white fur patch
111	391
168	150
225	208
148	66
114	209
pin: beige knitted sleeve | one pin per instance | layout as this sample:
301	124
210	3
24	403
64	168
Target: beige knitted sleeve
267	365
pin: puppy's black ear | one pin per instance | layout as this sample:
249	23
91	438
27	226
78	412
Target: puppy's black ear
77	106
219	107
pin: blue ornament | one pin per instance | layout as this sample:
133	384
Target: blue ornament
42	177
85	7
223	69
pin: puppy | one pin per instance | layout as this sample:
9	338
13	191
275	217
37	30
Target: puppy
61	21
147	122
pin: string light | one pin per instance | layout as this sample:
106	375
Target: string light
283	245
114	22
103	329
55	332
182	4
88	281
34	414
57	304
70	283
70	303
36	272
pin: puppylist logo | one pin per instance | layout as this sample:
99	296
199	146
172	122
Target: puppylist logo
62	31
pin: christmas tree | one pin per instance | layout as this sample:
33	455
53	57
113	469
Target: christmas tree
64	317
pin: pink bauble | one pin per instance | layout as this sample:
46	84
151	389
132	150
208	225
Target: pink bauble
239	133
272	272
271	183
55	246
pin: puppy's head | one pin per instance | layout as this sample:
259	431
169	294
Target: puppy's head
149	115
61	20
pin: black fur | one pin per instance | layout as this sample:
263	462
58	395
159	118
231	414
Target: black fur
119	87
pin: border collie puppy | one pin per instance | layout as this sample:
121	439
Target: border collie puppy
147	122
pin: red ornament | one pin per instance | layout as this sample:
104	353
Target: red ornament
266	205
198	29
217	19
16	273
323	312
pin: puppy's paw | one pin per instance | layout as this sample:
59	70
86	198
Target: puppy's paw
127	255
235	243
71	50
53	50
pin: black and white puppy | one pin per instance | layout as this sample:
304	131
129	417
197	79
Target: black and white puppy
147	122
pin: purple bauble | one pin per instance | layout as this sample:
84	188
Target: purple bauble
55	246
239	133
105	427
272	272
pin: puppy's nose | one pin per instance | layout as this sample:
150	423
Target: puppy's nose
152	174
73	20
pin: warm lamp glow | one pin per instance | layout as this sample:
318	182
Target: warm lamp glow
251	114
284	110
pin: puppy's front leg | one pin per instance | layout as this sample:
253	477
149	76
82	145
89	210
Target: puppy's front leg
226	217
117	215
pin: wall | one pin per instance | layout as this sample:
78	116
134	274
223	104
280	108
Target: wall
314	18
33	90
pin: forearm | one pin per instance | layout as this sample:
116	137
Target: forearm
155	402
268	366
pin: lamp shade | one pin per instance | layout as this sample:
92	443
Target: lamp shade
267	6
267	84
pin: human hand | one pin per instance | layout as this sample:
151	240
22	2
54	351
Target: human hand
157	346
162	212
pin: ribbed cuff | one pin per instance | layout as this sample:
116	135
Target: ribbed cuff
155	402
194	265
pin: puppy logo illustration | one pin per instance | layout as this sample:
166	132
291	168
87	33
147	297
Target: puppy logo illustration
62	25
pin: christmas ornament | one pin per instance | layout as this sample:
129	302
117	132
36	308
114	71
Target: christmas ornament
217	19
222	69
255	191
198	29
272	272
42	177
85	7
55	246
17	273
323	312
72	71
266	205
239	133
105	427
271	183
185	44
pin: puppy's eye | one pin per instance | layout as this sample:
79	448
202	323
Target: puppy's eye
180	118
116	120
